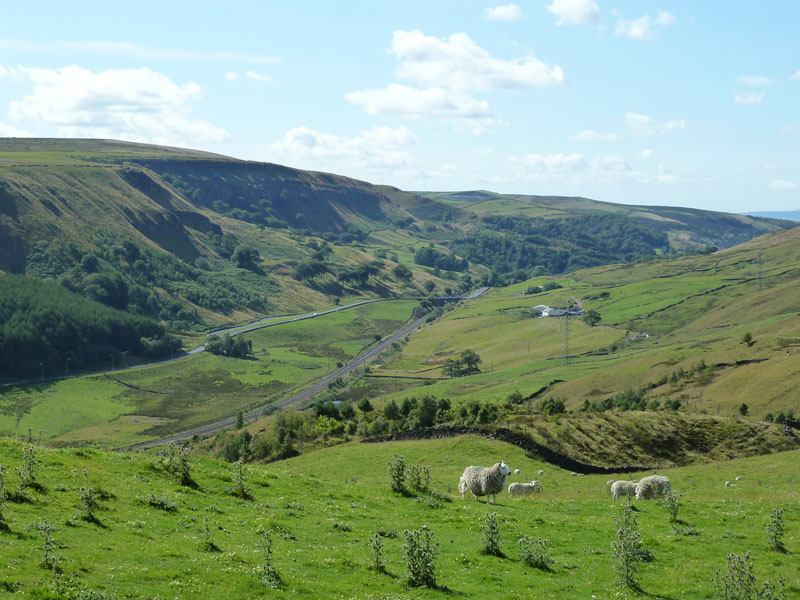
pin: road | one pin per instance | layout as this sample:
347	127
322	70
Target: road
314	389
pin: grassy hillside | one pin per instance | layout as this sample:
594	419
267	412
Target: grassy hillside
150	536
128	406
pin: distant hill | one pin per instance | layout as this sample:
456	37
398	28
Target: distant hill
196	238
788	215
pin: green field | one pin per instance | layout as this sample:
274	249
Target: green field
323	507
127	406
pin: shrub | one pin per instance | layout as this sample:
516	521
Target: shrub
397	473
419	478
775	530
627	552
160	502
266	573
174	461
740	583
376	546
419	554
491	536
534	553
672	503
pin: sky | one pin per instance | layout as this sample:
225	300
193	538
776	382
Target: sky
678	103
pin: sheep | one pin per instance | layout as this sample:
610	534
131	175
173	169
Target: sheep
541	471
729	484
573	474
623	488
516	471
653	486
533	487
484	481
737	478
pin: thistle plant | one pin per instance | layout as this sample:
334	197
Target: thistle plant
775	530
627	552
3	495
266	573
419	554
740	583
491	535
27	473
239	487
419	478
397	473
672	504
175	462
534	553
50	559
89	499
376	546
208	544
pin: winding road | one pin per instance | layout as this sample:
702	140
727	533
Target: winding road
315	388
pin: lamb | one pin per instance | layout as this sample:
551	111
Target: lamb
516	471
519	489
541	471
623	488
484	481
653	486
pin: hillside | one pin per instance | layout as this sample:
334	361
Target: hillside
92	524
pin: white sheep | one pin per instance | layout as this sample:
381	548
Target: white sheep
519	489
623	488
516	471
483	481
737	478
573	474
653	486
729	484
541	471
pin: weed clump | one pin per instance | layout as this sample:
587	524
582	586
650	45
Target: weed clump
419	478
376	547
491	536
266	573
239	488
534	553
672	504
419	554
397	473
174	461
160	502
740	583
3	496
89	501
627	552
208	543
775	529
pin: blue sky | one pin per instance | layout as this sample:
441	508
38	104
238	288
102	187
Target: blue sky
672	103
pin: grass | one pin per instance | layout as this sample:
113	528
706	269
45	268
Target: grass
127	406
323	507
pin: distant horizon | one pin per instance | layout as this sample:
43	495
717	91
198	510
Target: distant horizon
668	104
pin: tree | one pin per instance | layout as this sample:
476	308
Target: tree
747	338
309	269
452	368
391	412
426	412
402	272
429	286
592	317
469	361
365	405
246	257
743	409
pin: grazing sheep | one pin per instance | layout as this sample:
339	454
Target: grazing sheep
519	489
483	481
653	486
623	488
737	478
541	471
516	471
573	474
729	484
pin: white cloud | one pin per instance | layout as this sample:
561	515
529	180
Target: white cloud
452	106
459	63
376	147
647	154
253	76
755	80
576	169
575	12
9	73
130	49
791	129
796	75
749	97
511	12
782	184
11	131
589	135
232	76
130	104
664	19
642	28
645	125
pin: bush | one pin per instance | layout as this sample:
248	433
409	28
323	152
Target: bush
534	553
397	473
775	530
419	554
740	583
491	536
